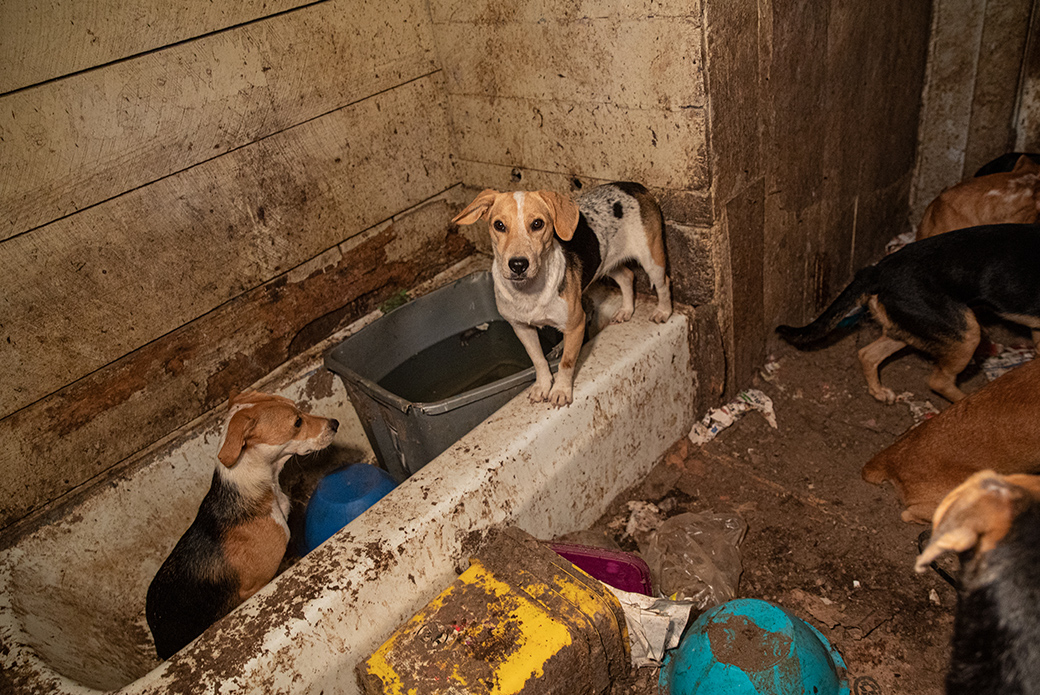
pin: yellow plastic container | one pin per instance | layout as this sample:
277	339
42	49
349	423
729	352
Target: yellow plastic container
521	619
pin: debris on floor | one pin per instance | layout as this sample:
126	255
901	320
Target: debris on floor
696	557
654	625
822	544
1003	359
720	418
920	409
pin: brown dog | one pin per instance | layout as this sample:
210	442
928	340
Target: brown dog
997	428
1012	197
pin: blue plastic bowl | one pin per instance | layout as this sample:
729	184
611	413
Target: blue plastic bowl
340	497
751	647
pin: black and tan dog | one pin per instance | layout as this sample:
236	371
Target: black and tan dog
240	533
925	295
549	249
992	522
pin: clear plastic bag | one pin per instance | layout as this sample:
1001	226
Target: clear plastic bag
696	557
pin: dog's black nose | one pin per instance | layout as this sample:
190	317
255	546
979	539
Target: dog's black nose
518	265
334	424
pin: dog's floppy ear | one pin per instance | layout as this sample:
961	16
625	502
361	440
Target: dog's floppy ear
238	431
977	514
565	213
478	208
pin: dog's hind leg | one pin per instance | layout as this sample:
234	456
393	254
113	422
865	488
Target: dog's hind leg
624	277
659	279
954	358
870	359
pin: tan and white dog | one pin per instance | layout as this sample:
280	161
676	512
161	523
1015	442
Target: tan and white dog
548	249
238	538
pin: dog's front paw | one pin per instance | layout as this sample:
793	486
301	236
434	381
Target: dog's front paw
884	394
540	391
660	315
623	314
560	396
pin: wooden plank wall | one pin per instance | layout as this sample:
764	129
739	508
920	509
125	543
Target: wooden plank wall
563	95
608	91
189	196
814	113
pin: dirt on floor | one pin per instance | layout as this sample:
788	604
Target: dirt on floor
821	543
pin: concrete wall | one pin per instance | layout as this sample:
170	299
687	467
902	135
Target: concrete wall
192	194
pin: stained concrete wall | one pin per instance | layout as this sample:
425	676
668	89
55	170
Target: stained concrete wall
565	95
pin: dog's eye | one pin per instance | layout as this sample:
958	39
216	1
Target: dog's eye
299	423
499	226
537	224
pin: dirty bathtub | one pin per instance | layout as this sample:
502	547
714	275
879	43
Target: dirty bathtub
72	592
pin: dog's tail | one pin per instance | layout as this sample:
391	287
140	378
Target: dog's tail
849	302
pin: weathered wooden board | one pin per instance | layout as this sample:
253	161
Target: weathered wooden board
87	427
639	63
797	128
1027	118
85	290
946	102
1003	56
735	81
497	12
75	142
692	207
660	148
601	91
45	39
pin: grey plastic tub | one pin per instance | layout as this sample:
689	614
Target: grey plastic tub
406	429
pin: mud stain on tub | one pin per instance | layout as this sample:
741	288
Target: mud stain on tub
319	385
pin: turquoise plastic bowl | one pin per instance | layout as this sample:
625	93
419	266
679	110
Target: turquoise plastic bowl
340	497
751	647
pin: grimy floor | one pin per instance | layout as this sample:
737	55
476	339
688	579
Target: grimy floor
821	542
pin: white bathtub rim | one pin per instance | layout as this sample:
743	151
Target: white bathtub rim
466	460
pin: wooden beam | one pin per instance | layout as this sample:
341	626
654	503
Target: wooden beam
84	291
45	39
73	143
